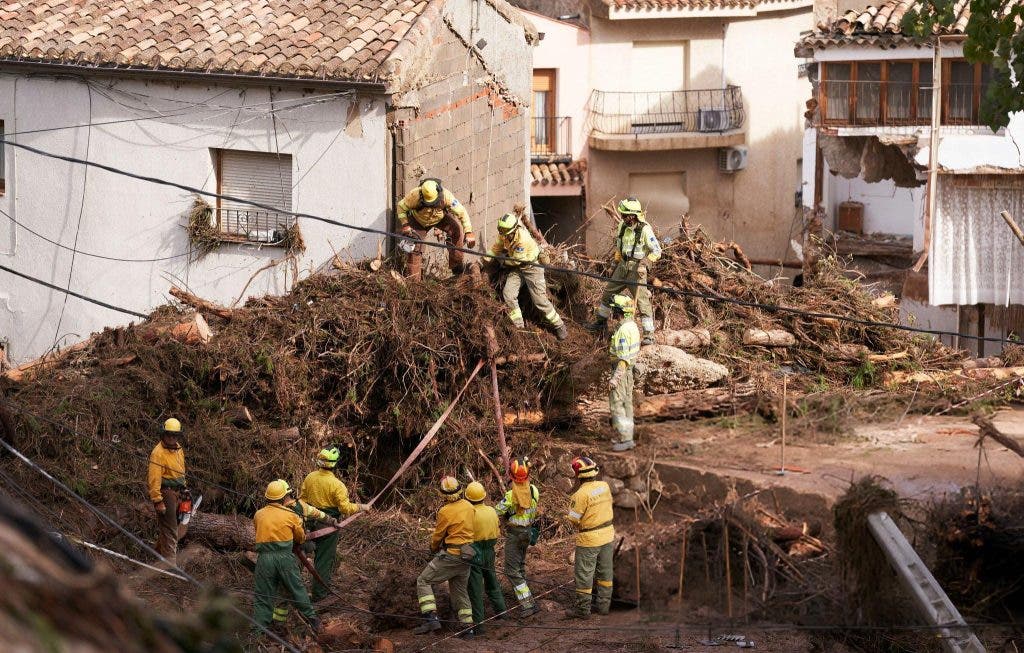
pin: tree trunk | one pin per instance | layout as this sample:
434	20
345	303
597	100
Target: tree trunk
770	338
693	403
684	338
222	532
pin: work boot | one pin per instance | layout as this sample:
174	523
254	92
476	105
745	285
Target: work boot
624	445
469	633
561	332
431	624
598	325
528	611
573	613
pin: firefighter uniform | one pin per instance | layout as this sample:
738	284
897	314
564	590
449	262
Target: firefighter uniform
636	245
418	217
623	349
590	508
482	577
322	490
519	508
166	481
278	529
451	542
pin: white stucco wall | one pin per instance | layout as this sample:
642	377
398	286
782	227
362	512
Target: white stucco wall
339	171
887	209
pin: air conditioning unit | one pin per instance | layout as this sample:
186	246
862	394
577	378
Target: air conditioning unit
712	120
731	159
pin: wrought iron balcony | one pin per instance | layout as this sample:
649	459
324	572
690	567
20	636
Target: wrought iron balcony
708	111
551	138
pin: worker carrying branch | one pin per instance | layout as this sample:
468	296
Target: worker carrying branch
324	491
636	246
519	508
452	546
520	252
430	207
590	509
278	531
167	488
623	349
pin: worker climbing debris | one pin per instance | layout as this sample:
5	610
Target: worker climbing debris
623	349
482	577
519	508
636	246
278	531
324	491
168	489
430	207
590	509
452	546
521	251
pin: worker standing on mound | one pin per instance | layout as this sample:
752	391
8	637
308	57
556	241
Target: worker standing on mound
590	509
482	577
636	246
520	253
623	349
167	488
519	507
426	208
323	490
278	531
452	546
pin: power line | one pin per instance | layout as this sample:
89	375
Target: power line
126	311
383	232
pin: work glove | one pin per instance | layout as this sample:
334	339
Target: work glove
613	382
470	240
364	507
407	231
159	507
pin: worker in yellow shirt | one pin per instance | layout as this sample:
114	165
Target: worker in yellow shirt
166	482
324	491
278	531
482	577
452	546
430	207
520	252
590	510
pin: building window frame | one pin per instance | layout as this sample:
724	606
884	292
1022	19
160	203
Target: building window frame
238	222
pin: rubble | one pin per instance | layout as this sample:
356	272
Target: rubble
661	369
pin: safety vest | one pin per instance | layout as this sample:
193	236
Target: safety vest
520	247
517	516
637	242
625	343
590	507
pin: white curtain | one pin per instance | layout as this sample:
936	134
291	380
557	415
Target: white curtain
974	257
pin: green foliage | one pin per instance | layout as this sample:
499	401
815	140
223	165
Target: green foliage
865	376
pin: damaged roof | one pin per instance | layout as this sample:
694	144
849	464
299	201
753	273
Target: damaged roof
333	40
877	25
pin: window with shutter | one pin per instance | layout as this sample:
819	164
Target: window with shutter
260	177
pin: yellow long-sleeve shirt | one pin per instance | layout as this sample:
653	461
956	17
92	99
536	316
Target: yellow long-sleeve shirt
278	527
322	489
166	467
590	508
455	526
309	512
427	216
518	246
485	523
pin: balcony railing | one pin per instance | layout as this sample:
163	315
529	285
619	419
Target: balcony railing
551	138
254	225
846	103
667	112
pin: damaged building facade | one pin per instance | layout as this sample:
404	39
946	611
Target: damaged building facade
868	166
329	109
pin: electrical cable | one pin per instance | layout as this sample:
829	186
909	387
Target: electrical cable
443	245
126	311
145	547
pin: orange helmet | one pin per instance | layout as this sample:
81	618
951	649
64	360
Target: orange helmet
584	467
520	469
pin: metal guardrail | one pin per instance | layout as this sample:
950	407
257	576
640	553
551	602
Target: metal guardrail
878	103
255	225
667	112
551	137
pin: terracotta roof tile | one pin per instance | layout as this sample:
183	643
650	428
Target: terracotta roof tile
637	5
336	39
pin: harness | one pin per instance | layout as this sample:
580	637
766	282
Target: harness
637	237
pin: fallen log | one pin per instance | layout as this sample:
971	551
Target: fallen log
850	351
684	338
201	304
900	377
222	532
768	338
240	417
521	358
195	331
694	403
988	430
46	361
981	363
885	358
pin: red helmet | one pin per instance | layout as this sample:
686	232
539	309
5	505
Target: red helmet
520	469
584	467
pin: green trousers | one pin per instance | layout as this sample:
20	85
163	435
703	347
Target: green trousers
517	541
533	277
325	557
624	278
594	566
446	567
620	406
483	579
278	581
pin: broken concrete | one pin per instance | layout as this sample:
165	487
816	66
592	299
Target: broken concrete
663	369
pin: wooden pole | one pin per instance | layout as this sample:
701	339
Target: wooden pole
682	565
782	453
746	572
728	569
637	552
492	351
1013	226
933	152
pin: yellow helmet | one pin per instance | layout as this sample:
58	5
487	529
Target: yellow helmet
475	492
431	192
584	467
623	304
630	206
451	488
277	490
328	457
172	425
507	223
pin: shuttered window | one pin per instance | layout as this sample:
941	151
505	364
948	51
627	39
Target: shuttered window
260	177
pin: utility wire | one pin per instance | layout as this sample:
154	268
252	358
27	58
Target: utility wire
126	311
383	232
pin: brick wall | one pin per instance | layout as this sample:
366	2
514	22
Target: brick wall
465	130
